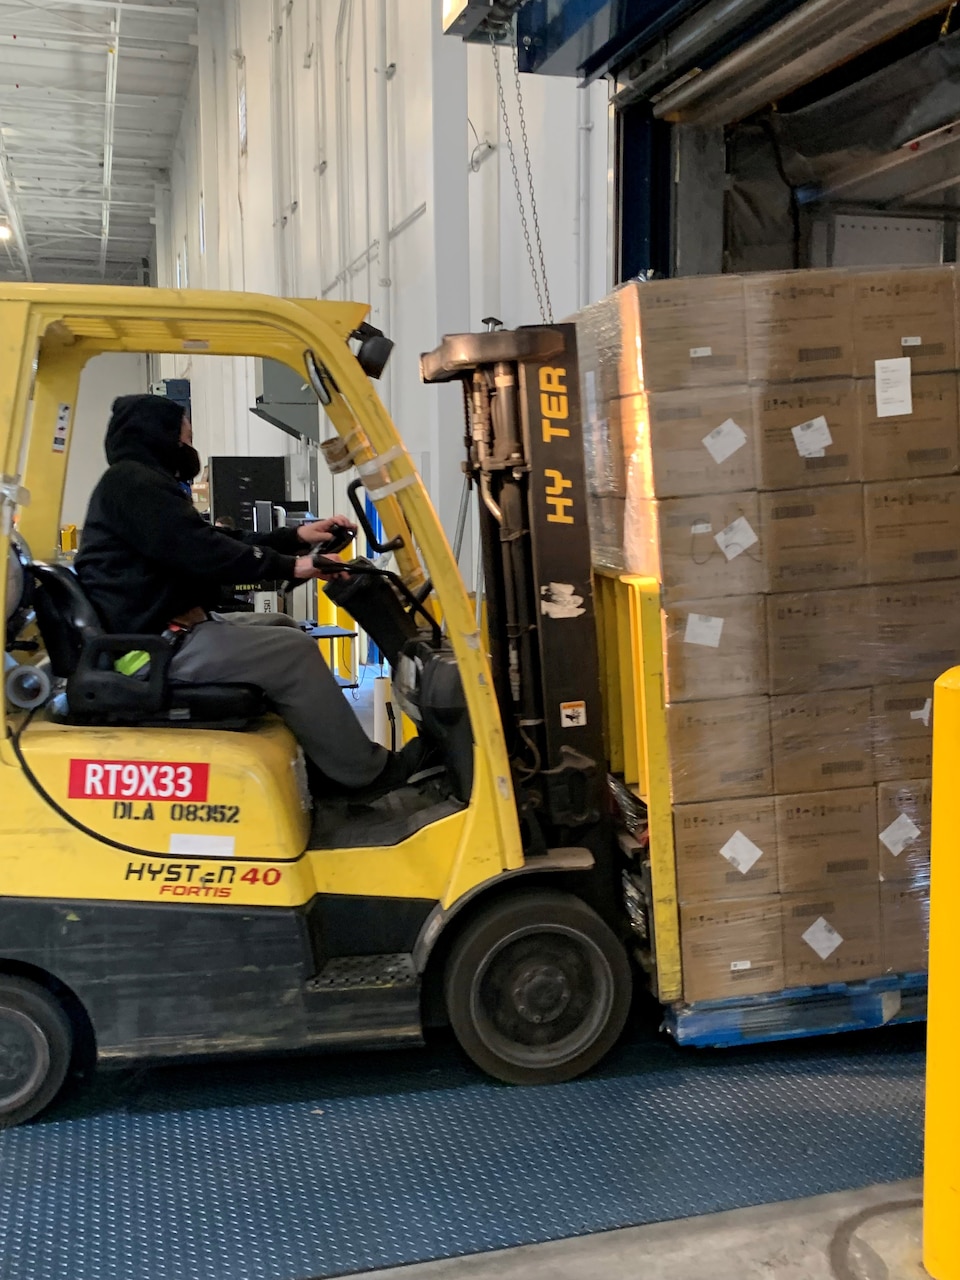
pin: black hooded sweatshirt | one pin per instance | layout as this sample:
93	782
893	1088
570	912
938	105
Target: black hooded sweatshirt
147	555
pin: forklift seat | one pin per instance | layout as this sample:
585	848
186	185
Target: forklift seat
81	653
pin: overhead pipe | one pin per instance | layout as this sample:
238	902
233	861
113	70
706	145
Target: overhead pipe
682	47
582	216
820	35
382	143
342	115
109	117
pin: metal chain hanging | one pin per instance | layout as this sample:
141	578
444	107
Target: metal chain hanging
533	199
546	312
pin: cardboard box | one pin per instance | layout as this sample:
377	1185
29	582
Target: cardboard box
903	730
903	832
799	325
827	840
921	443
702	441
906	311
726	849
813	538
905	920
822	740
820	640
691	332
719	750
731	949
808	433
913	529
710	546
832	937
605	451
916	632
716	648
605	518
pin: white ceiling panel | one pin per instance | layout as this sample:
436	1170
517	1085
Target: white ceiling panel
91	96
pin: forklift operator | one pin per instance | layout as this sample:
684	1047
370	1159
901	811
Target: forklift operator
150	564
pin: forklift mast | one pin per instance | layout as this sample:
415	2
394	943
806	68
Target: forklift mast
525	459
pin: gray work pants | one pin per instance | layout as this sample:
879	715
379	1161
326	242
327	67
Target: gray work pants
258	619
289	668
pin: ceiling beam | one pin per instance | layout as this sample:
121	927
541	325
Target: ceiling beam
168	51
155	11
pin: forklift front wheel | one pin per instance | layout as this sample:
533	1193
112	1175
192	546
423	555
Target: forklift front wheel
538	988
35	1049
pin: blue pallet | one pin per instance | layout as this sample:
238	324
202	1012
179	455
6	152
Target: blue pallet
799	1012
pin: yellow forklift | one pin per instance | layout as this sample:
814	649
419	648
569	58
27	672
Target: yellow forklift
167	886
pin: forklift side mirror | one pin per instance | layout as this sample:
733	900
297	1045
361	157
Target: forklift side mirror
374	351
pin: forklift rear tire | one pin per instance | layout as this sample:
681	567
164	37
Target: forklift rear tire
538	988
36	1045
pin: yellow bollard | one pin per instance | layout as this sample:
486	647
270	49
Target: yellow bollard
941	1185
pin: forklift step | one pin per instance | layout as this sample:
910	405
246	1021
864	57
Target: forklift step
366	973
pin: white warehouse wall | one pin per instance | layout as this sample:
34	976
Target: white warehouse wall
297	207
103	379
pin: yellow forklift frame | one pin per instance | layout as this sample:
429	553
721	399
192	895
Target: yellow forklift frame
168	888
48	335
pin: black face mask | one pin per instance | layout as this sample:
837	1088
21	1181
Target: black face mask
189	465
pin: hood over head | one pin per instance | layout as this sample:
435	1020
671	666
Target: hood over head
145	429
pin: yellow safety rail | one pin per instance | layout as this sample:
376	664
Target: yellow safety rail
635	733
941	1193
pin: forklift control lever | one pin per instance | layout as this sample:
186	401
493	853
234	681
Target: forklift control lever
363	520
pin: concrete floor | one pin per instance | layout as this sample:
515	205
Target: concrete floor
857	1235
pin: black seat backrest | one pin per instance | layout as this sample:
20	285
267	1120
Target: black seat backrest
65	616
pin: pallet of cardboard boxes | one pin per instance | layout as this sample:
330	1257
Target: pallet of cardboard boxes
782	453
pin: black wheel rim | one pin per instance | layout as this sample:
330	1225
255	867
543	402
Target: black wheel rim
542	996
24	1059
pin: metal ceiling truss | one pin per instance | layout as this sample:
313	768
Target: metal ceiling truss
91	95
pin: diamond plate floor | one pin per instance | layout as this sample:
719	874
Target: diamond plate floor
284	1170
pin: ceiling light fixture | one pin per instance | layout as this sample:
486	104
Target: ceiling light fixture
5	232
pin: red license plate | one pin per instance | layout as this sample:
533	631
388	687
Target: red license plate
137	780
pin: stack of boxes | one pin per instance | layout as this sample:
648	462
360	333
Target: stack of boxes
782	453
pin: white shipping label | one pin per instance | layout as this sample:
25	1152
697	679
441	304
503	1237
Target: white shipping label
812	438
740	966
741	852
700	353
822	938
911	342
724	441
894	393
210	846
700	527
702	629
901	832
736	538
923	715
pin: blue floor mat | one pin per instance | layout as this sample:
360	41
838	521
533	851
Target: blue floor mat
295	1168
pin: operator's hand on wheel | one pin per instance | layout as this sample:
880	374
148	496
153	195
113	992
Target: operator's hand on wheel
319	531
305	569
